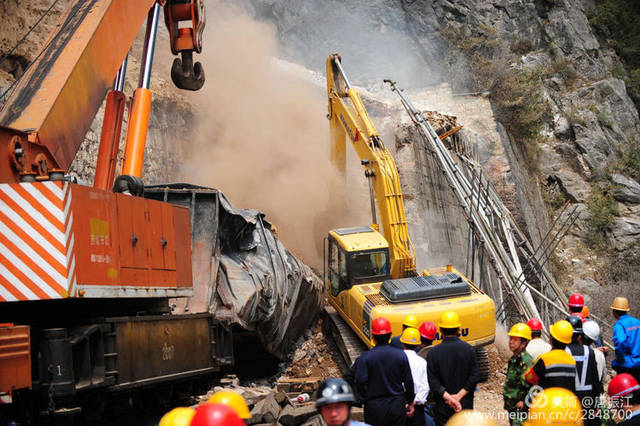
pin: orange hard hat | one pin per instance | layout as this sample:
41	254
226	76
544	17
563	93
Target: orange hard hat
585	311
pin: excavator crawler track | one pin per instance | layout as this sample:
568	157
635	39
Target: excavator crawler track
348	343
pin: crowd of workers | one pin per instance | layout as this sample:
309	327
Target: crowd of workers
405	380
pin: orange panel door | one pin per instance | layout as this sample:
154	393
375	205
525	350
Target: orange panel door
153	234
168	237
131	225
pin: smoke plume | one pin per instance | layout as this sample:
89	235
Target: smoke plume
262	136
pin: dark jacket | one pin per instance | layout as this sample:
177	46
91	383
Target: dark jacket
383	372
451	366
396	343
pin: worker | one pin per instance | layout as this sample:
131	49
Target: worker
452	370
428	332
626	339
215	415
580	315
588	385
350	377
233	400
411	343
471	418
555	368
624	394
591	334
576	303
333	401
516	387
555	406
180	416
383	378
409	321
536	346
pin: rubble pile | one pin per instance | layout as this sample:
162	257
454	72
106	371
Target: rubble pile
278	405
315	356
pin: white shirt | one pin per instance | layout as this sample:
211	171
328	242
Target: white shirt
537	347
418	367
601	363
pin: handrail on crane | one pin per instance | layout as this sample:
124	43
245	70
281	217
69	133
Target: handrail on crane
380	168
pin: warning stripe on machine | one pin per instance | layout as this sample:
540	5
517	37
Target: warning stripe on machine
35	240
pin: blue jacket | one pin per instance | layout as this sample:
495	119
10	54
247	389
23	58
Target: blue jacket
626	338
384	372
396	343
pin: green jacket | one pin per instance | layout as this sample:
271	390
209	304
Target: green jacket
515	386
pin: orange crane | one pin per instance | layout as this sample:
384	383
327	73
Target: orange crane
86	272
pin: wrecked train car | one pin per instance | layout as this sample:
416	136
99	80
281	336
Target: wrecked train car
242	273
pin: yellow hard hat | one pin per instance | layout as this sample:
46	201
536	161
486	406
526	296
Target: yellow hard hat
410	336
555	406
411	321
180	416
562	331
620	304
471	418
449	319
233	400
520	330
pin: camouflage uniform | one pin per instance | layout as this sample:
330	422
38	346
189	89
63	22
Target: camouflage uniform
515	386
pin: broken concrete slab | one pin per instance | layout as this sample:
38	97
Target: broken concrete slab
291	416
265	410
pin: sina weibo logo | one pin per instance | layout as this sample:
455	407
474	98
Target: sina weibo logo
463	333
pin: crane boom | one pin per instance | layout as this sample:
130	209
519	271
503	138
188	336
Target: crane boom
353	121
55	101
43	122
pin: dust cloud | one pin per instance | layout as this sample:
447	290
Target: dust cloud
262	136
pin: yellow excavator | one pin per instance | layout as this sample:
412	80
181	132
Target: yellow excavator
369	274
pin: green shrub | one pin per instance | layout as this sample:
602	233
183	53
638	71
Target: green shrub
629	163
618	23
521	107
603	209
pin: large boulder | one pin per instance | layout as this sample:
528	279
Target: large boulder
625	189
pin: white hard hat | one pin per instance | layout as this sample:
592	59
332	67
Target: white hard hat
591	329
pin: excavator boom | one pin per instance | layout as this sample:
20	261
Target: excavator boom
349	118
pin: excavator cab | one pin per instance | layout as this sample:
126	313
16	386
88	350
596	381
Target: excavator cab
355	256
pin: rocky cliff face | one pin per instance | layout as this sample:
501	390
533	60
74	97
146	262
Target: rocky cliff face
584	124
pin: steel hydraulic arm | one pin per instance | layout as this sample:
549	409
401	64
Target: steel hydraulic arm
43	122
349	118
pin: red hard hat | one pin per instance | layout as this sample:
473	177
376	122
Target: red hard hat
535	324
380	325
580	315
215	415
428	330
622	384
576	300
